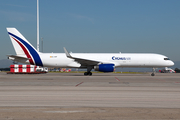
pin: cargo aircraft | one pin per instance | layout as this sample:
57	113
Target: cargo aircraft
104	62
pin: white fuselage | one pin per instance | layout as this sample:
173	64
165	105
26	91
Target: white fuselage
119	59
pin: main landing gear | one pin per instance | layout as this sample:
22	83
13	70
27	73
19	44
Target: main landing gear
89	68
88	73
154	70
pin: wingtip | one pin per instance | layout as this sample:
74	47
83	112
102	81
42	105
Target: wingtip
67	53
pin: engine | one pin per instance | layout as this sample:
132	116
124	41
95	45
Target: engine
104	68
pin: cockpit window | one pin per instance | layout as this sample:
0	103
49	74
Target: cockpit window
166	59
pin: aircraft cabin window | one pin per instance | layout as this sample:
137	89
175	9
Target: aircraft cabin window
166	59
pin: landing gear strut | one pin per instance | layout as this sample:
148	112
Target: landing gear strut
154	70
89	68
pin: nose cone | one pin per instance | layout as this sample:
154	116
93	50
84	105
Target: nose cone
171	63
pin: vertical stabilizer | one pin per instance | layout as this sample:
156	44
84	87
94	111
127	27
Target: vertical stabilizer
23	47
14	32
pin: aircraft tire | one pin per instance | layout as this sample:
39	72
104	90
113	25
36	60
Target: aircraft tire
152	74
86	73
90	73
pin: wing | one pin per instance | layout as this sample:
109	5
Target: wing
82	61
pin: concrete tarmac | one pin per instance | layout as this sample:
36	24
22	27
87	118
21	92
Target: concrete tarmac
101	96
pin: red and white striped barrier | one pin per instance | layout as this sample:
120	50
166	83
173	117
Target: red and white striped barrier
22	68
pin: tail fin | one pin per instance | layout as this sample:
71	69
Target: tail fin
23	47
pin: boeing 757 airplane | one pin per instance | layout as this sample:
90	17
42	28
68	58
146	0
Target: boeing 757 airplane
104	62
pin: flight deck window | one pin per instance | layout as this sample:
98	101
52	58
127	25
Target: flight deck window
166	59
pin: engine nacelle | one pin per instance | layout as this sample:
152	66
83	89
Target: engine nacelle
104	68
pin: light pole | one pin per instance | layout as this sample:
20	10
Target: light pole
42	44
38	25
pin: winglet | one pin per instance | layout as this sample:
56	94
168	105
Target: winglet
67	54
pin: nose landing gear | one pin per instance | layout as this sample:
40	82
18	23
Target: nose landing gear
154	70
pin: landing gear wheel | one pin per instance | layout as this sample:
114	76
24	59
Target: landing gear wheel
152	74
154	70
88	73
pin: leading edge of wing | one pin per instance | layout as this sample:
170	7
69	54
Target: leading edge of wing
82	61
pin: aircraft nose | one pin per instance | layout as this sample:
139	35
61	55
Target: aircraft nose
171	63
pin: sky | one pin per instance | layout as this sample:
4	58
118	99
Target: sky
95	26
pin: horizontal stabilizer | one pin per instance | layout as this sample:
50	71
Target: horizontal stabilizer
17	57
